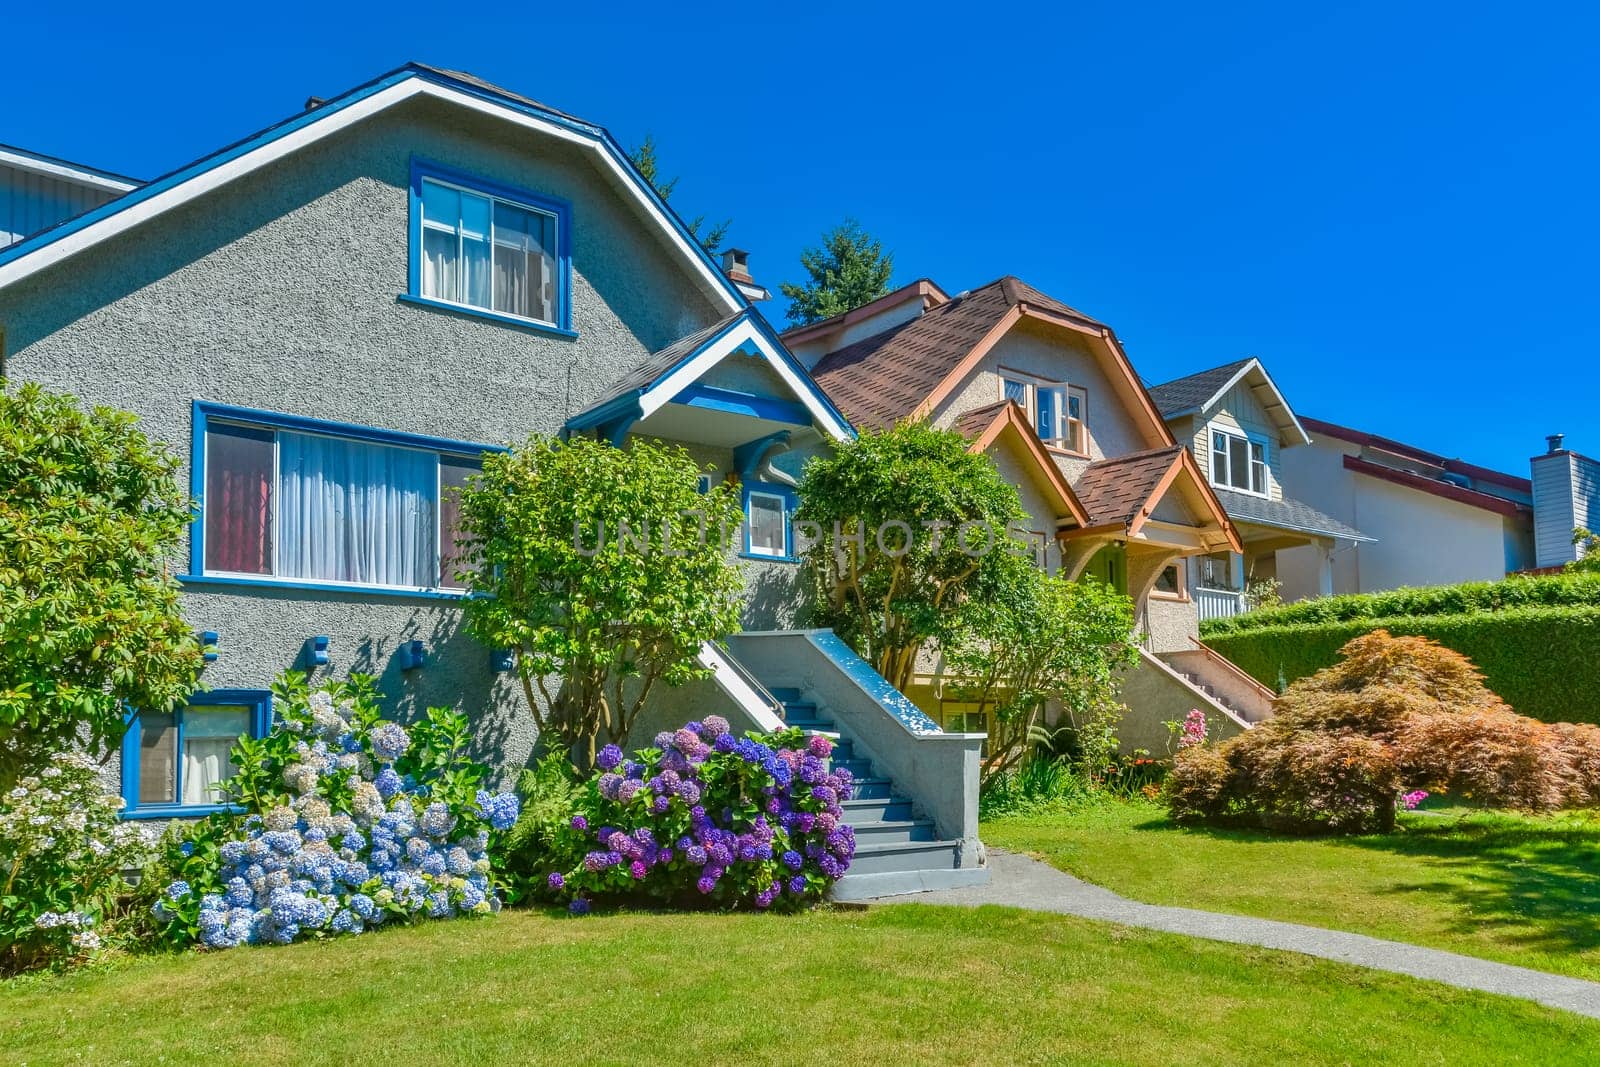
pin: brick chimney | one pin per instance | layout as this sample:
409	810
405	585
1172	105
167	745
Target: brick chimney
736	265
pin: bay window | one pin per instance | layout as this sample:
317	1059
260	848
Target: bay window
1238	462
301	501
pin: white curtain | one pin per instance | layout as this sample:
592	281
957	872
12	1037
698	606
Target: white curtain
208	735
349	511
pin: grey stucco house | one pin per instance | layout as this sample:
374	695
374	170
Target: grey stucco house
332	319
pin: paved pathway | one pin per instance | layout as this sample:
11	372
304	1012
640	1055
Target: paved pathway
1021	882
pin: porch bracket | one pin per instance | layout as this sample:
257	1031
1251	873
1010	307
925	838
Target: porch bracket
748	457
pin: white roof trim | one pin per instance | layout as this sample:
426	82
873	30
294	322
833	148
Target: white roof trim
55	168
336	120
743	333
1255	364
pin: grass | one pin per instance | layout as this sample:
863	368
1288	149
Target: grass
1519	889
906	984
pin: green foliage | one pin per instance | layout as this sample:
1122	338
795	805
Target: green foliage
885	600
1557	590
1029	640
649	167
560	578
1040	783
63	854
550	795
1588	561
90	512
1540	660
848	270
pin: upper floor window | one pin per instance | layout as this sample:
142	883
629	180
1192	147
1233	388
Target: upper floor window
487	248
319	502
1238	462
1058	411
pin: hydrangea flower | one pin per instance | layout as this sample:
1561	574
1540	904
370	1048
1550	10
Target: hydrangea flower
609	758
390	741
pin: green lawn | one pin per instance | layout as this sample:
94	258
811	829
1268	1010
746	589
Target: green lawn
905	984
1515	888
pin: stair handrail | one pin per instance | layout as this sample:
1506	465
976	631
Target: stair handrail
1234	669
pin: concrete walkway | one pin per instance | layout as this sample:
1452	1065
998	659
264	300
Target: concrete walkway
1021	882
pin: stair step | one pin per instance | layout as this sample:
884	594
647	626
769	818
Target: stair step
785	694
876	809
887	856
858	768
895	830
844	751
871	789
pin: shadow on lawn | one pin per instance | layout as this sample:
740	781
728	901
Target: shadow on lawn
1532	881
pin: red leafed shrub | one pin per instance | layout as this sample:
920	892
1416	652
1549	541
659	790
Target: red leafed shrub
1397	713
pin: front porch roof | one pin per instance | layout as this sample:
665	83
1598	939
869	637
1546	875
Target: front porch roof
673	376
1122	494
1287	514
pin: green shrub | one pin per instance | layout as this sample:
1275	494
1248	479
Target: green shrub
1543	661
1544	591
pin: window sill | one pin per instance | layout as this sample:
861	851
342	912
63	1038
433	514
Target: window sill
1057	450
484	313
322	587
180	811
768	559
1176	598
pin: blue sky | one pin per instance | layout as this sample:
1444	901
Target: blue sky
1396	211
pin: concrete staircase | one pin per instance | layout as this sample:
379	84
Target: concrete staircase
1225	684
896	851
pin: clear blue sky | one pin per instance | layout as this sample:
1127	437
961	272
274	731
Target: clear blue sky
1397	212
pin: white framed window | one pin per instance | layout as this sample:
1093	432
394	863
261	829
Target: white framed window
1058	411
1172	583
1238	462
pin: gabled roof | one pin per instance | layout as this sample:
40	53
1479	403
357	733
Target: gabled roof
668	372
65	170
1124	492
411	81
922	289
1420	455
1195	393
988	425
908	370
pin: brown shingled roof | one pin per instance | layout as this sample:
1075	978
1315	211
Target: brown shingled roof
1113	491
986	425
974	422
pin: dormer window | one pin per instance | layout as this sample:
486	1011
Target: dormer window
1238	462
1057	410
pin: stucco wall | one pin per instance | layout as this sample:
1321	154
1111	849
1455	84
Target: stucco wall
1171	623
279	292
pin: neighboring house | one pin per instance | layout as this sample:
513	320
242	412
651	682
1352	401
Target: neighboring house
1244	435
1436	520
38	191
1048	392
333	319
1566	497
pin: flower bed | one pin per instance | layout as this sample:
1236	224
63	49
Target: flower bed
707	818
352	822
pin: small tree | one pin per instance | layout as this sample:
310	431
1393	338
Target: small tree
602	569
1588	544
905	523
649	167
90	511
1031	639
848	270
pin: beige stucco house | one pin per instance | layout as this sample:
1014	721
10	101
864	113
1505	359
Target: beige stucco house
1048	393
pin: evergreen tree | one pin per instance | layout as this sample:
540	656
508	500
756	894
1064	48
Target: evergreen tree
848	270
644	158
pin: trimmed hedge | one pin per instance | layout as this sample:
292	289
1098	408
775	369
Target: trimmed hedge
1543	661
1553	590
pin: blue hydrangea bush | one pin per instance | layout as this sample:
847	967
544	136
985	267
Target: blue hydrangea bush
348	821
707	818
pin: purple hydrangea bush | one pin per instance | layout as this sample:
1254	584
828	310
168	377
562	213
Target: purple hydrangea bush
706	817
350	821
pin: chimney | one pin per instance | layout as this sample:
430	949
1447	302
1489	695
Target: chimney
1554	442
314	102
736	265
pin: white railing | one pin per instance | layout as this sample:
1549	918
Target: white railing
1218	603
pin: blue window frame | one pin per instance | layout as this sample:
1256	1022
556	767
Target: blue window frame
291	501
173	763
769	521
489	249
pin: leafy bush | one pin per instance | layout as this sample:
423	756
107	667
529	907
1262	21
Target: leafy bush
705	817
1540	660
1040	783
550	793
593	619
1541	591
352	821
90	512
1398	713
63	852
